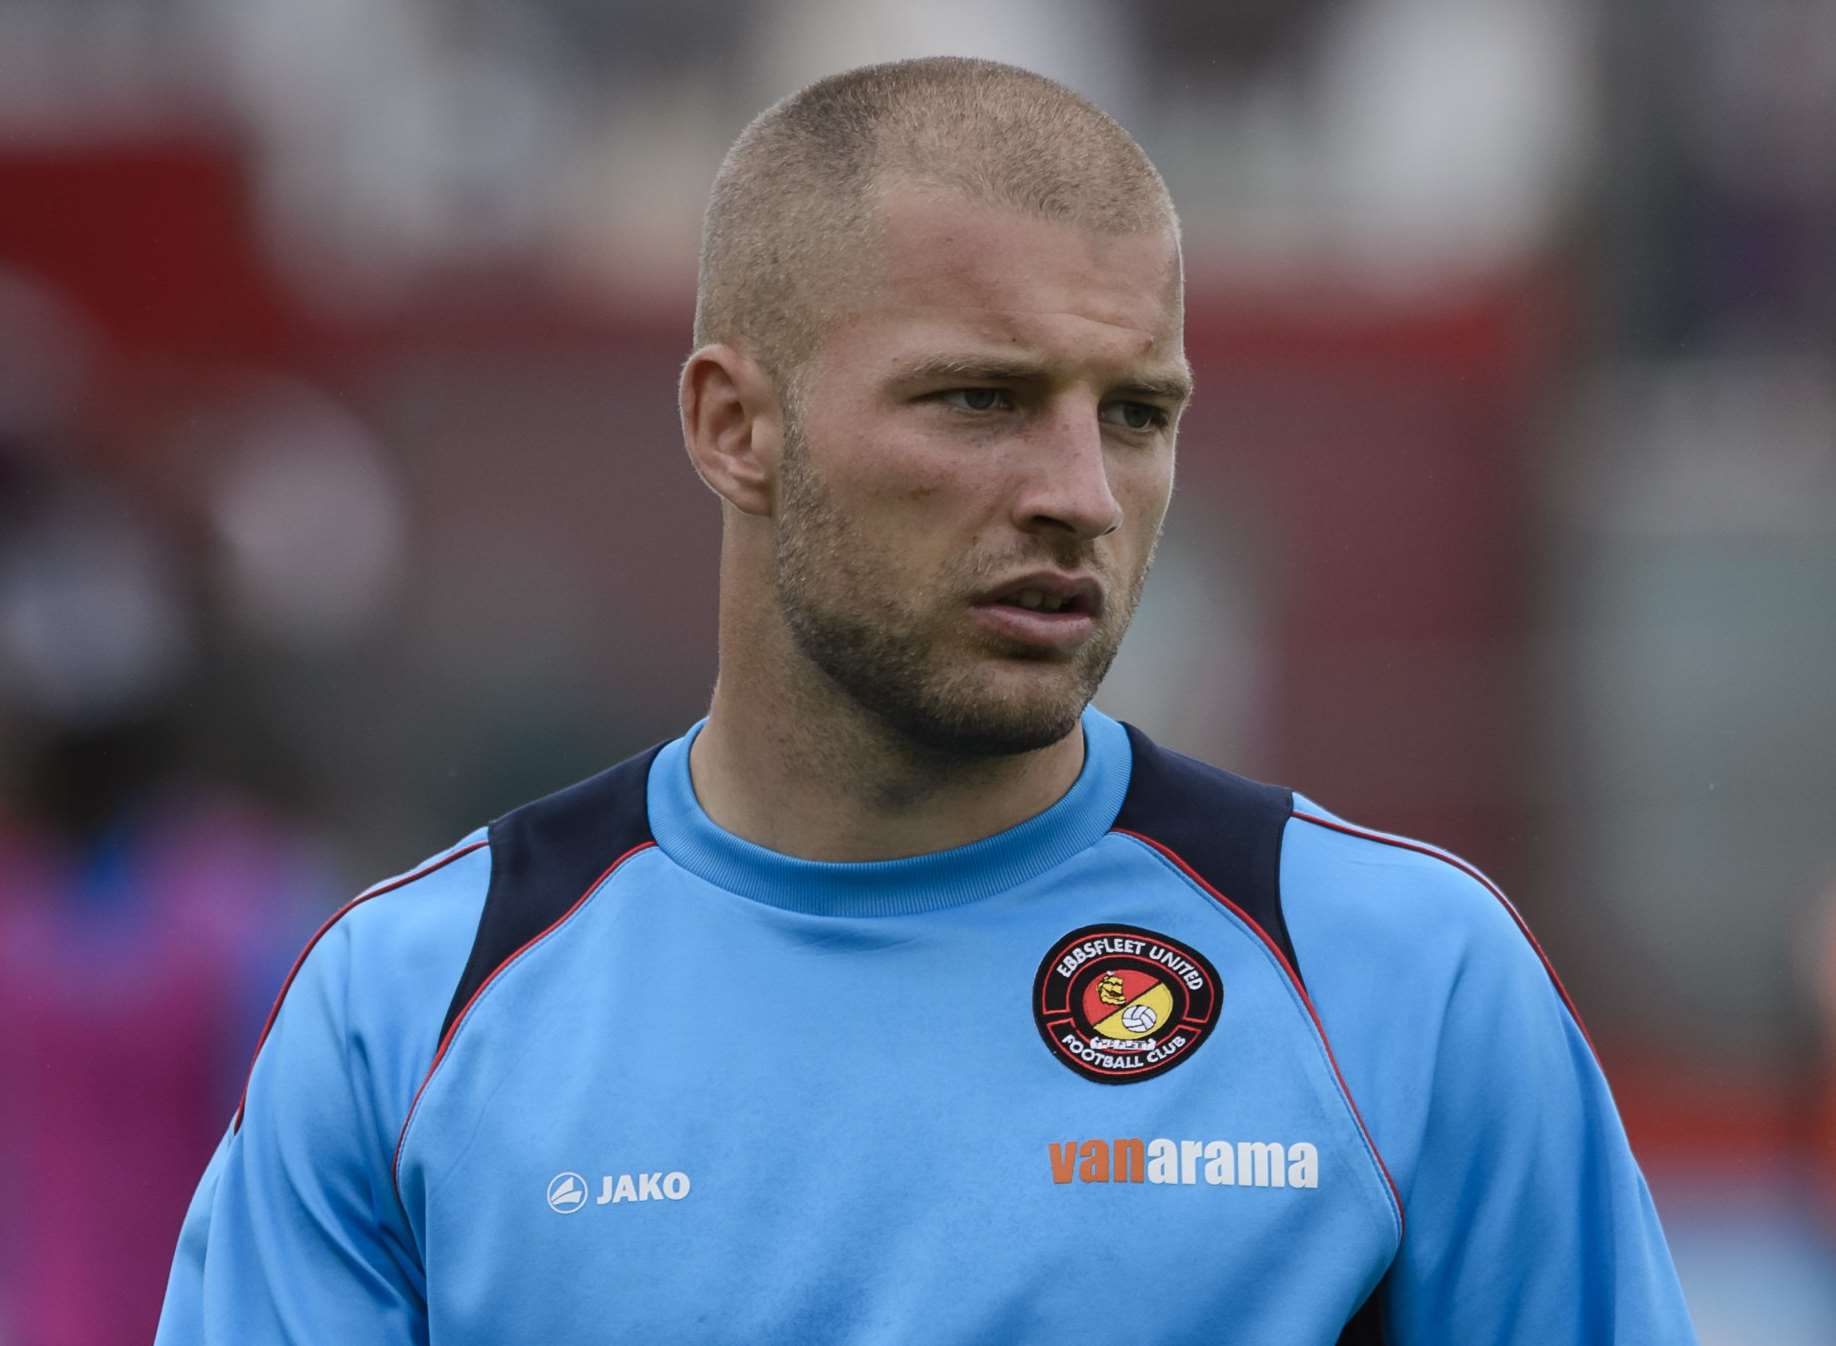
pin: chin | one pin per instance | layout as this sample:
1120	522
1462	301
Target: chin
983	719
943	697
985	736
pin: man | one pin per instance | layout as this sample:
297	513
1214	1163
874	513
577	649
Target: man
906	997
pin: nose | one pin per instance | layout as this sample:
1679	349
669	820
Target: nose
1066	490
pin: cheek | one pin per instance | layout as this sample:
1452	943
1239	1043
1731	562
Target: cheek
924	495
1144	492
921	495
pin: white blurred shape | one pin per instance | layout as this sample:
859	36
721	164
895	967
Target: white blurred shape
70	72
91	626
458	164
1453	132
1088	47
627	241
1761	112
310	520
292	65
1737	441
391	143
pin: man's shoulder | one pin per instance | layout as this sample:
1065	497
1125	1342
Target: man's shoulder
1167	784
451	877
1358	899
404	929
1311	878
1223	830
563	840
1368	876
373	965
571	827
398	964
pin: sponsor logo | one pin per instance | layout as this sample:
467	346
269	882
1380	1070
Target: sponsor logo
1117	1003
1218	1163
568	1192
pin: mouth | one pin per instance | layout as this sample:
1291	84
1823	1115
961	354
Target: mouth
1048	592
1038	600
1043	611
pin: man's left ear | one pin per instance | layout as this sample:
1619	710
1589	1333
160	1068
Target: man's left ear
732	426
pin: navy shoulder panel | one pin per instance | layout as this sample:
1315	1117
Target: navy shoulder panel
1224	828
545	856
1227	830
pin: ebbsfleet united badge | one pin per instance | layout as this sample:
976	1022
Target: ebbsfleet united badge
1117	1003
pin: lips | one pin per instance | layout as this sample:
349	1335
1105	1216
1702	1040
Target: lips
1045	610
1048	592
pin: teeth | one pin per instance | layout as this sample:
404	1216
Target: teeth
1037	600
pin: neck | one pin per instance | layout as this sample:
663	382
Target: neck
825	782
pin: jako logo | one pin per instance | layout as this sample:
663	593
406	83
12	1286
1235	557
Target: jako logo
1219	1163
567	1192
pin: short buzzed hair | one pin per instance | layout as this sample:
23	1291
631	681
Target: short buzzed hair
793	204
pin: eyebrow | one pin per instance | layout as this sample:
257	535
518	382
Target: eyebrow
1170	387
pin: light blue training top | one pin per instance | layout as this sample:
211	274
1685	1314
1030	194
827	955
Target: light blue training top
1183	1058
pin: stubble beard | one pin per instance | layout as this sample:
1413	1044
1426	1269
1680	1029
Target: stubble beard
842	599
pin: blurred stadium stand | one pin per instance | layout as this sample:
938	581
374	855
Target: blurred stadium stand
341	506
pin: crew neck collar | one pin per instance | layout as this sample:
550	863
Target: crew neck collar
686	834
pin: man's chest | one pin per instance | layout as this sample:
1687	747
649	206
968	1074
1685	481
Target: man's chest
1015	1124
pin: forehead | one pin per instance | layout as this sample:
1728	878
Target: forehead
945	267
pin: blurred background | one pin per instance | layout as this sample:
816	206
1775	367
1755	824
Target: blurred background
342	507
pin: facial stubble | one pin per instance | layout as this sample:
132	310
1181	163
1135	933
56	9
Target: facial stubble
843	597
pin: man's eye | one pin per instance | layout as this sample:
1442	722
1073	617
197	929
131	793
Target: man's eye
977	399
1135	415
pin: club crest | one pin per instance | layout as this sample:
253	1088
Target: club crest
1117	1003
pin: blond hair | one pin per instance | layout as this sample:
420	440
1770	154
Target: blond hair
792	212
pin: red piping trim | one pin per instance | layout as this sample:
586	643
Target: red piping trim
1307	1000
1461	865
395	1163
333	919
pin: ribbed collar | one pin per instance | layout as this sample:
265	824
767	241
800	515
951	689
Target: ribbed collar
890	887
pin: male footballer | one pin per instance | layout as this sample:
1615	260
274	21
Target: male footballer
908	998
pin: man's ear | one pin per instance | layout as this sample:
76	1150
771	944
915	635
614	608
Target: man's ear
732	426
